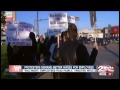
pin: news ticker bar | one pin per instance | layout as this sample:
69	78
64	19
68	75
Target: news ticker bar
103	70
59	70
55	68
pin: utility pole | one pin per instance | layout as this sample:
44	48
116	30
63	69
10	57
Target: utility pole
37	24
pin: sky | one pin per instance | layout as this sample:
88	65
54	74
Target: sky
103	18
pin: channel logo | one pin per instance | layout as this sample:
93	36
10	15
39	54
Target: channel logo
15	68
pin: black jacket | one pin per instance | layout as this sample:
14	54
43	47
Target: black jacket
74	53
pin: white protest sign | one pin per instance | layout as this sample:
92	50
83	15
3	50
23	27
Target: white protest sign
18	33
71	19
58	21
53	32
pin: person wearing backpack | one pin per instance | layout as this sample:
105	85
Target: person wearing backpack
73	53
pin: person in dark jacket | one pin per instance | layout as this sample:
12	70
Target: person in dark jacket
33	48
29	54
64	36
9	54
74	53
38	51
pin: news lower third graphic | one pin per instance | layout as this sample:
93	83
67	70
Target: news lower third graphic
103	70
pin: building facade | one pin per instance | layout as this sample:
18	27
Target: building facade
112	32
10	16
115	31
89	33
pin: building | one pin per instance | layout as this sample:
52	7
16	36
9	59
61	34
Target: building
10	16
115	31
112	32
89	33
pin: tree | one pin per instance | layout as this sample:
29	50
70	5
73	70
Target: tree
3	22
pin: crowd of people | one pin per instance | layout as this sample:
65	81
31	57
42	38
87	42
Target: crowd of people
69	52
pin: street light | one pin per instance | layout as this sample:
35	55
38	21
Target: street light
38	24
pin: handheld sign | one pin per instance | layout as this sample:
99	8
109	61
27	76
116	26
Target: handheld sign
53	32
58	21
18	33
71	19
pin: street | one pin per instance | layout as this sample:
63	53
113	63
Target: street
106	56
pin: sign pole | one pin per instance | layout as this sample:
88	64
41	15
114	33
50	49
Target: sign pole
58	40
95	31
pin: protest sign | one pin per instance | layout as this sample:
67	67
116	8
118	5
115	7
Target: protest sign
53	32
18	33
71	19
58	21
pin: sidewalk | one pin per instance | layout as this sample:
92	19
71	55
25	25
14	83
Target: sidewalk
45	76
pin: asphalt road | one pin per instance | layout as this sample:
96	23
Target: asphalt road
106	56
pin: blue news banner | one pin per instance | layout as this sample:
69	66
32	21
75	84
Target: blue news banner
59	68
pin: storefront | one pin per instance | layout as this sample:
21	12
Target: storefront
115	31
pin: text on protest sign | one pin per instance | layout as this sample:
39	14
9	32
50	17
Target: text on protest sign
58	21
53	32
18	33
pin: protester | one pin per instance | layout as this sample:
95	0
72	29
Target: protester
34	47
53	46
38	51
64	36
17	59
9	53
29	56
74	53
41	46
52	50
43	49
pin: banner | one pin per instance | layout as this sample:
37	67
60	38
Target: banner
58	21
71	19
18	33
